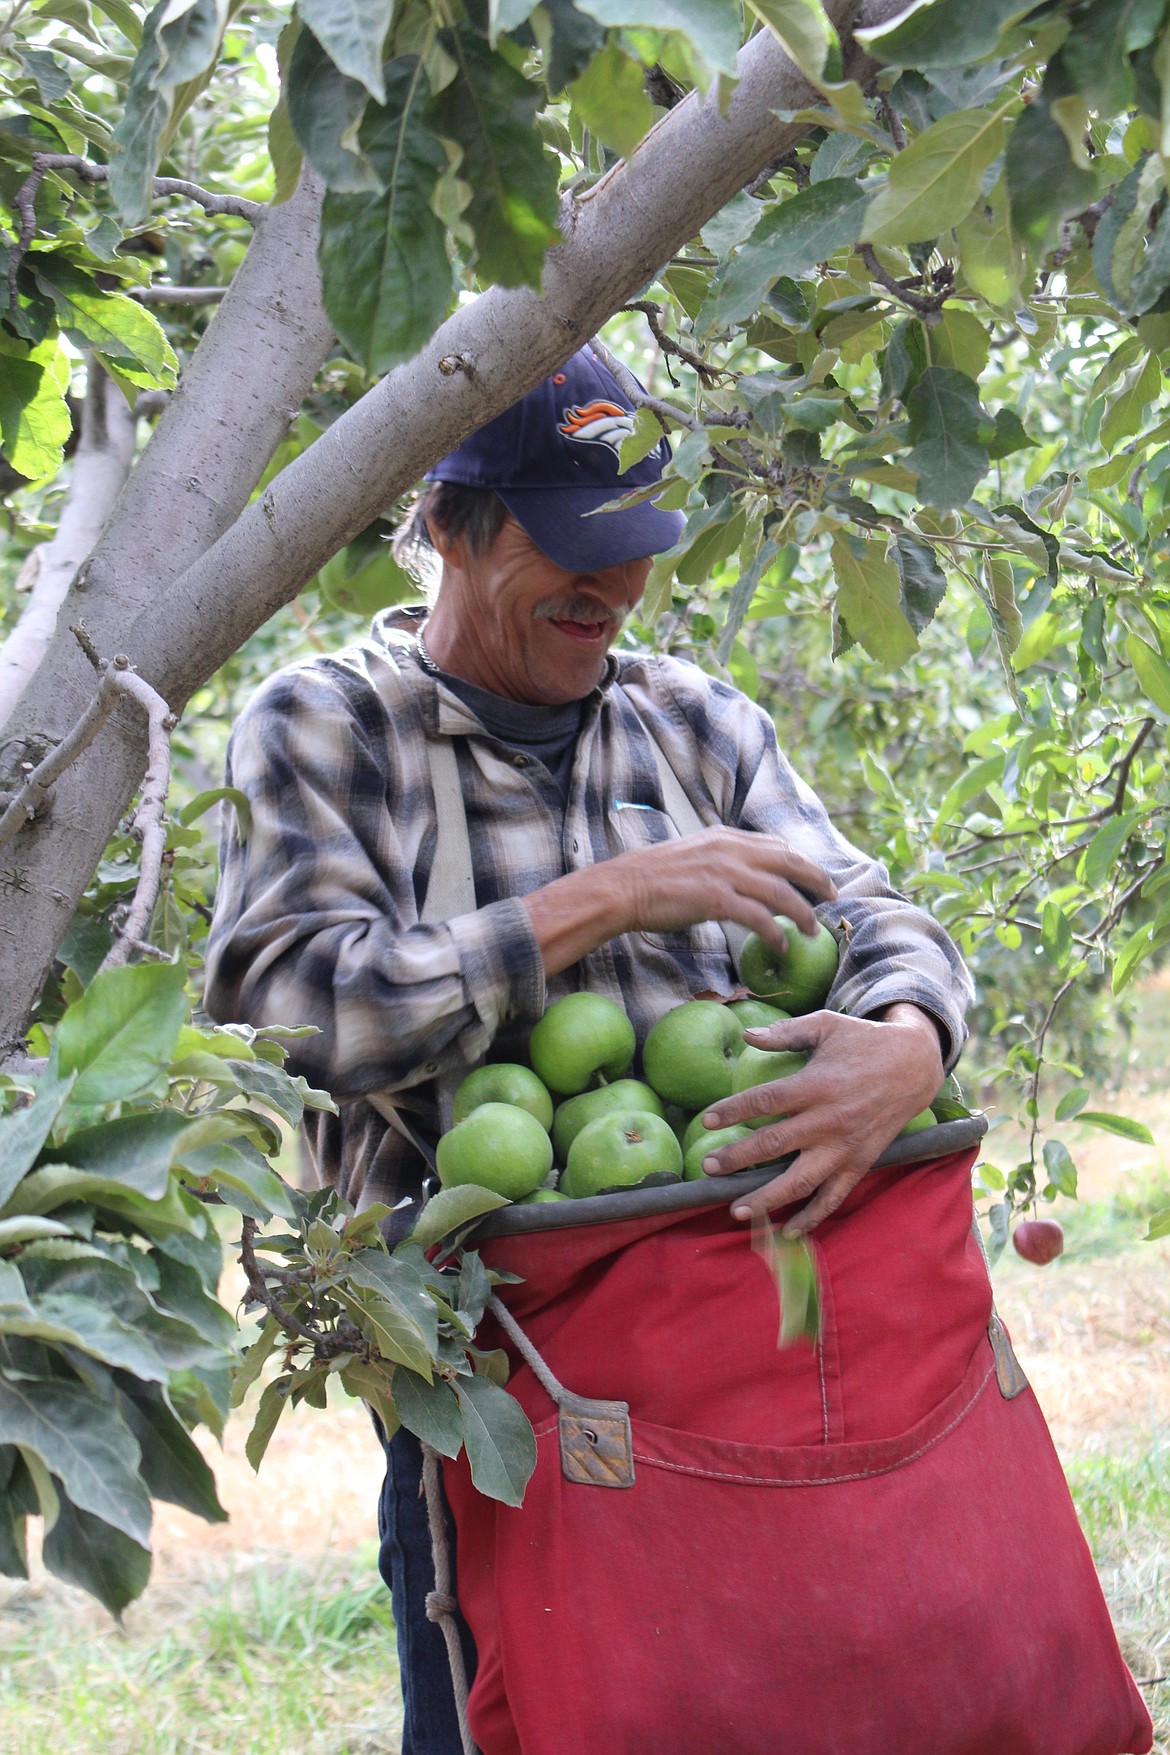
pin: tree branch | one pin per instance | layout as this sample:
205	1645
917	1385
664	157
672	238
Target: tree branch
668	344
24	201
177	295
325	1345
923	304
101	464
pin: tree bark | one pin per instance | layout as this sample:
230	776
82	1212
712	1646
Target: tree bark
240	565
101	465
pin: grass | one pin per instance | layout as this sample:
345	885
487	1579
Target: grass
257	1660
1124	1508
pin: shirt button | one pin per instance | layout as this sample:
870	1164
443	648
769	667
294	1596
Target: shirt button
576	846
431	1068
520	761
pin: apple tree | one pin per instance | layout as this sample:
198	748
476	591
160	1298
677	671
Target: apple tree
903	282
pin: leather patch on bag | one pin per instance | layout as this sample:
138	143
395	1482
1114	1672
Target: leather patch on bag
1009	1373
597	1446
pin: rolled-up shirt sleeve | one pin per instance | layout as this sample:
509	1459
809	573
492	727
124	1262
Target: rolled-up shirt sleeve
317	915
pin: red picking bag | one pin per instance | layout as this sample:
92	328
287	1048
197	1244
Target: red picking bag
859	1549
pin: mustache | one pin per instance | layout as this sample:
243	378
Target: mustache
578	608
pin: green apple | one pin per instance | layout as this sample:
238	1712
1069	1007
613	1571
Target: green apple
577	1112
713	1138
753	1014
542	1197
916	1123
759	1066
498	1146
799	978
630	1149
582	1039
504	1083
690	1054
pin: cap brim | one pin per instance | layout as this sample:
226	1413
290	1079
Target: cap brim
568	526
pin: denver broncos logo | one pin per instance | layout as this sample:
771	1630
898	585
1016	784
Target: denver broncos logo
597	423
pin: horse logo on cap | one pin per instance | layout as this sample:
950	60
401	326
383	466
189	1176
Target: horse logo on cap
597	423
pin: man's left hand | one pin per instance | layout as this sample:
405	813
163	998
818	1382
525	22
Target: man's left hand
864	1080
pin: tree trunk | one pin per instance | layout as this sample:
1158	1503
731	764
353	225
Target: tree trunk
101	465
242	565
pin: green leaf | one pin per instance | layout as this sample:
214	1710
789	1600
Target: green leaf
395	1278
384	267
976	780
123	330
172	1465
1037	641
97	1557
245	1181
283	146
1151	670
138	134
353	34
935	182
115	1319
500	1445
1122	1125
24	1132
869	598
35	421
740	600
791	238
942	33
392	1329
1100	856
803	30
255	1359
1125	409
1056	939
945	421
429	1410
29	1228
58	1185
489	112
272	1405
135	1150
923	581
792	1264
991	255
645	435
325	108
450	1210
1159	1226
1132	954
82	1441
1044	185
713	27
1071	1104
189	35
610	98
1062	1172
120	1034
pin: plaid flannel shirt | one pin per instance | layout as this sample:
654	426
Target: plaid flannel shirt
317	919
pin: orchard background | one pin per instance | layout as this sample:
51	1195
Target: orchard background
897	282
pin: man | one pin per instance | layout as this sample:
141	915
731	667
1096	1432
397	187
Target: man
321	915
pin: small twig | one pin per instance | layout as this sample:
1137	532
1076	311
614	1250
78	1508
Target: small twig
665	411
24	201
24	806
258	1287
653	316
150	814
178	295
787	161
345	1339
1034	1093
892	120
1126	763
923	304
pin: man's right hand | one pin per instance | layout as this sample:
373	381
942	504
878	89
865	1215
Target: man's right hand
718	874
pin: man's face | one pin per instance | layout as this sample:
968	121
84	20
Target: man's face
514	622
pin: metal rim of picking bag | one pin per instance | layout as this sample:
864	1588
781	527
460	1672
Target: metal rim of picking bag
644	1203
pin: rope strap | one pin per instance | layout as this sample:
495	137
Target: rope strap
441	1602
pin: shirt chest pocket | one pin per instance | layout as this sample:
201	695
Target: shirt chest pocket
632	827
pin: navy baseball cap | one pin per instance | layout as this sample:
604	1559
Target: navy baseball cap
553	460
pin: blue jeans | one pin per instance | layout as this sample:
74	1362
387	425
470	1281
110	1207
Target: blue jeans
430	1726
